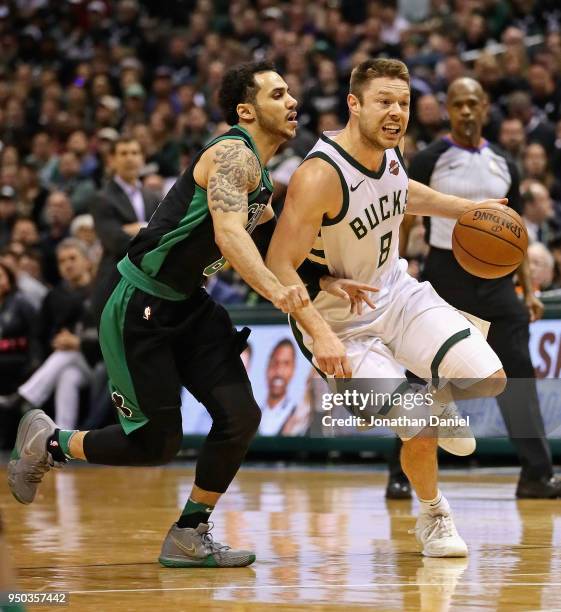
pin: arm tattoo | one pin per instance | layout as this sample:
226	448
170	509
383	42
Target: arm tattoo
236	169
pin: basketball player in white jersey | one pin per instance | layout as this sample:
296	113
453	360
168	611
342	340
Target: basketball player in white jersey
343	210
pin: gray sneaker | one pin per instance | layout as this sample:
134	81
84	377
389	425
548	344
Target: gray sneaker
30	460
196	548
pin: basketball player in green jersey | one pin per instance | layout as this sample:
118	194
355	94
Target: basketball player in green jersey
343	210
159	329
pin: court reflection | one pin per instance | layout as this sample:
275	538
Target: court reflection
323	538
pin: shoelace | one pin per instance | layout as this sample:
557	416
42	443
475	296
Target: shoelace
209	540
442	526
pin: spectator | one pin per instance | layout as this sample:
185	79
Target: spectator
537	167
135	98
83	228
78	143
123	207
32	194
520	107
326	95
16	322
512	139
42	152
58	216
554	246
65	371
429	122
26	266
537	211
546	93
25	232
542	267
166	157
8	213
69	180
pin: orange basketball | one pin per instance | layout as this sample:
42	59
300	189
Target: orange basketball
489	242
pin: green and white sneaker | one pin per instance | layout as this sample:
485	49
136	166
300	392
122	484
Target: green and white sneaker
196	548
29	460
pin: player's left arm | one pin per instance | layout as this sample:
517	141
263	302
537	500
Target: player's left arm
426	201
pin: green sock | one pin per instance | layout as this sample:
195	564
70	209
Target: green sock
64	437
193	514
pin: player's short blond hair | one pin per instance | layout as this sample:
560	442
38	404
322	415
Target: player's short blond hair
376	69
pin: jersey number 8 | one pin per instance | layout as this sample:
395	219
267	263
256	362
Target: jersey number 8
385	246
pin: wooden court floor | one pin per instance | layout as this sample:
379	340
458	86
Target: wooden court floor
325	540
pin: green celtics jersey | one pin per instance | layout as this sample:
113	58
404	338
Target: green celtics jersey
171	257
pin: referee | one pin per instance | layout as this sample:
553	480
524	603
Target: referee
465	165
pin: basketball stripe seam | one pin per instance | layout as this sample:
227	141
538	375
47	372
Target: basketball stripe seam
489	263
489	234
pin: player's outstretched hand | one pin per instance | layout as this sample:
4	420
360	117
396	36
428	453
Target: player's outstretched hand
291	298
331	356
350	290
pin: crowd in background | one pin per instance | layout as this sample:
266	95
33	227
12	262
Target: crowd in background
76	76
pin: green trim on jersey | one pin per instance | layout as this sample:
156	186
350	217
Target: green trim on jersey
111	331
440	354
197	212
142	281
354	162
344	187
400	157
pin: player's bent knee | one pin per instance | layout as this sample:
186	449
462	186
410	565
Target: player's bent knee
171	447
496	383
247	422
162	437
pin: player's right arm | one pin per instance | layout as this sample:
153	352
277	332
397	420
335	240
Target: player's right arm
232	171
314	190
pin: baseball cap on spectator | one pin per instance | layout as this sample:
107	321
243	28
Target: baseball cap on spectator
108	133
131	63
110	102
135	90
33	32
96	7
7	193
272	12
163	72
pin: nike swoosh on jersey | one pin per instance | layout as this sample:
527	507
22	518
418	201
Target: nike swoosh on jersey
355	187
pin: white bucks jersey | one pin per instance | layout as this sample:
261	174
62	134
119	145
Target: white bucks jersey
362	242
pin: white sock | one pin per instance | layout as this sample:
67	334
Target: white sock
438	505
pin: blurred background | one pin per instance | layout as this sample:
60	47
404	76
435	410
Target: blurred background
76	75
